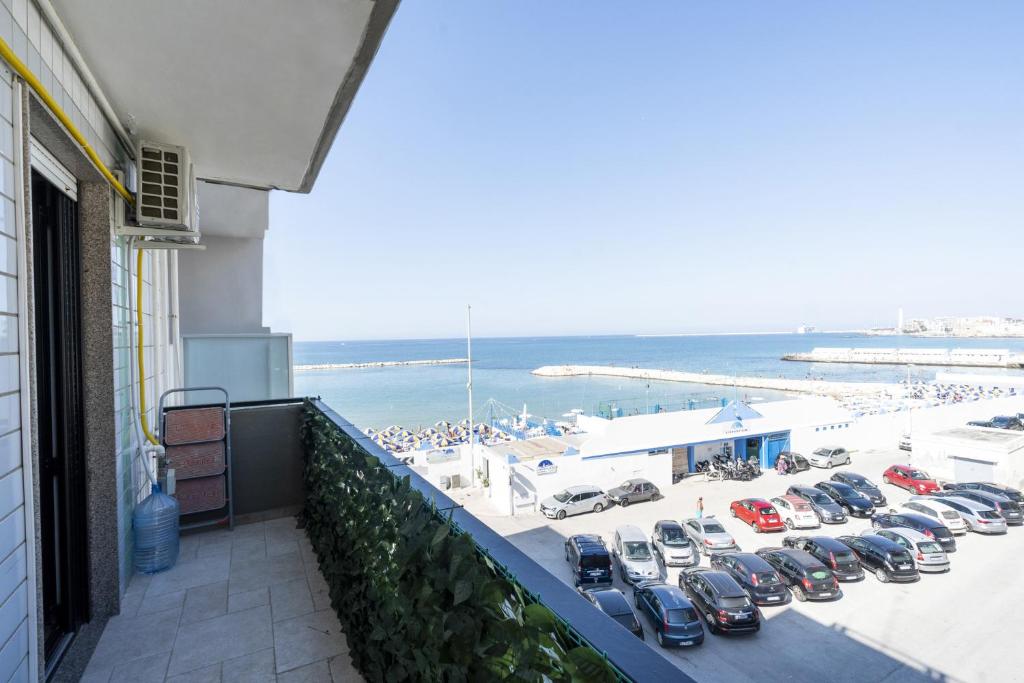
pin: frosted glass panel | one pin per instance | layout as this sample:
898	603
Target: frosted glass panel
251	367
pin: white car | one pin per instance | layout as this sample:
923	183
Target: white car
927	553
932	507
796	513
905	443
829	456
634	555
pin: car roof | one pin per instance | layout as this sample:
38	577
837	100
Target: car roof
586	538
753	561
670	596
972	505
723	583
636	481
582	488
611	600
668	523
804	487
915	516
792	499
988	495
882	542
800	556
828	542
909	534
628	532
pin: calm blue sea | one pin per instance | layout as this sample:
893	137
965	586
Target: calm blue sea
419	396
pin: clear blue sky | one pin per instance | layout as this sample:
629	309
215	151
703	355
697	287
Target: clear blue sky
659	167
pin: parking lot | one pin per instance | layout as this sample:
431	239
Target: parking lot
962	625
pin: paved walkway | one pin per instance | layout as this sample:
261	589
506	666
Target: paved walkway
245	605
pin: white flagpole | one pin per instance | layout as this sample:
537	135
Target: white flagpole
469	391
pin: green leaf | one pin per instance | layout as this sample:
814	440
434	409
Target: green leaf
463	589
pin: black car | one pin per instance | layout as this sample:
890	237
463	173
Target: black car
863	485
806	576
794	462
833	554
828	511
589	560
979	423
612	602
929	526
888	560
726	607
1007	422
998	489
853	501
1007	509
758	578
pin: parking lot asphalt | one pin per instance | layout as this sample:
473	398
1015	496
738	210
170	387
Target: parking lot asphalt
963	625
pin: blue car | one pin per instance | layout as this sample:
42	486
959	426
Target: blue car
672	615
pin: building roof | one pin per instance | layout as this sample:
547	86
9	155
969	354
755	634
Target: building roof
538	448
982	436
665	430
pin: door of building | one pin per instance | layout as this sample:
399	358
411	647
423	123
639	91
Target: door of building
774	444
56	270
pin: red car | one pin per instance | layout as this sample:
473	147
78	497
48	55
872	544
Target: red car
758	513
911	479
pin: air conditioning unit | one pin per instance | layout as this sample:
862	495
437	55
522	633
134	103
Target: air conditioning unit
166	196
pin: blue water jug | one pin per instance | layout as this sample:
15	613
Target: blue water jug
155	522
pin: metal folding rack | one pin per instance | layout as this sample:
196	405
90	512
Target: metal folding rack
197	445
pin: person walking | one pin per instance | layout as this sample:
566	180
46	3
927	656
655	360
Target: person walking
700	507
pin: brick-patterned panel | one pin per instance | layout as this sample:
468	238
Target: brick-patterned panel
193	425
196	460
200	495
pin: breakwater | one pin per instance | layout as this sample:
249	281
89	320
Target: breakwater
380	364
803	386
976	358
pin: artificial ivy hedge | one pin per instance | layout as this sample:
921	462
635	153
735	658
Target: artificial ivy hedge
416	599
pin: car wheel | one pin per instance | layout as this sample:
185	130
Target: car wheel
789	524
798	593
599	507
828	465
732	512
886	479
757	529
625	502
710	619
881	575
566	554
560	514
661	639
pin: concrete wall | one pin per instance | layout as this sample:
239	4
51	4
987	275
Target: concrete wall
933	453
221	288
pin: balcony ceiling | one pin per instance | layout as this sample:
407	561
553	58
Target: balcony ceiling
255	88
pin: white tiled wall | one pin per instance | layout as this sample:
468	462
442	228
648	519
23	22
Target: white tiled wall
22	27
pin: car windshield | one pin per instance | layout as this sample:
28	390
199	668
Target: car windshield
627	620
820	498
800	460
901	556
801	507
769	511
918	475
684	615
822	451
819	574
595	562
628	485
637	551
734	603
563	496
673	537
989	514
767	579
929	547
713	528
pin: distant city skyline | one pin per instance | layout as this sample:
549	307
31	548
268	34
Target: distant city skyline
692	168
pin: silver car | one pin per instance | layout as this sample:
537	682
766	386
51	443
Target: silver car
934	507
829	456
927	553
673	545
709	535
574	500
980	519
634	556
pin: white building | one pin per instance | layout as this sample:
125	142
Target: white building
972	454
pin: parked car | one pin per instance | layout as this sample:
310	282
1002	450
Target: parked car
929	526
634	555
927	553
833	554
910	478
612	602
932	507
863	485
806	576
709	535
853	501
794	462
887	560
673	545
633	491
1007	422
1007	509
1011	493
829	457
905	444
589	560
671	614
828	511
758	578
796	512
981	519
574	500
758	513
979	423
725	606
